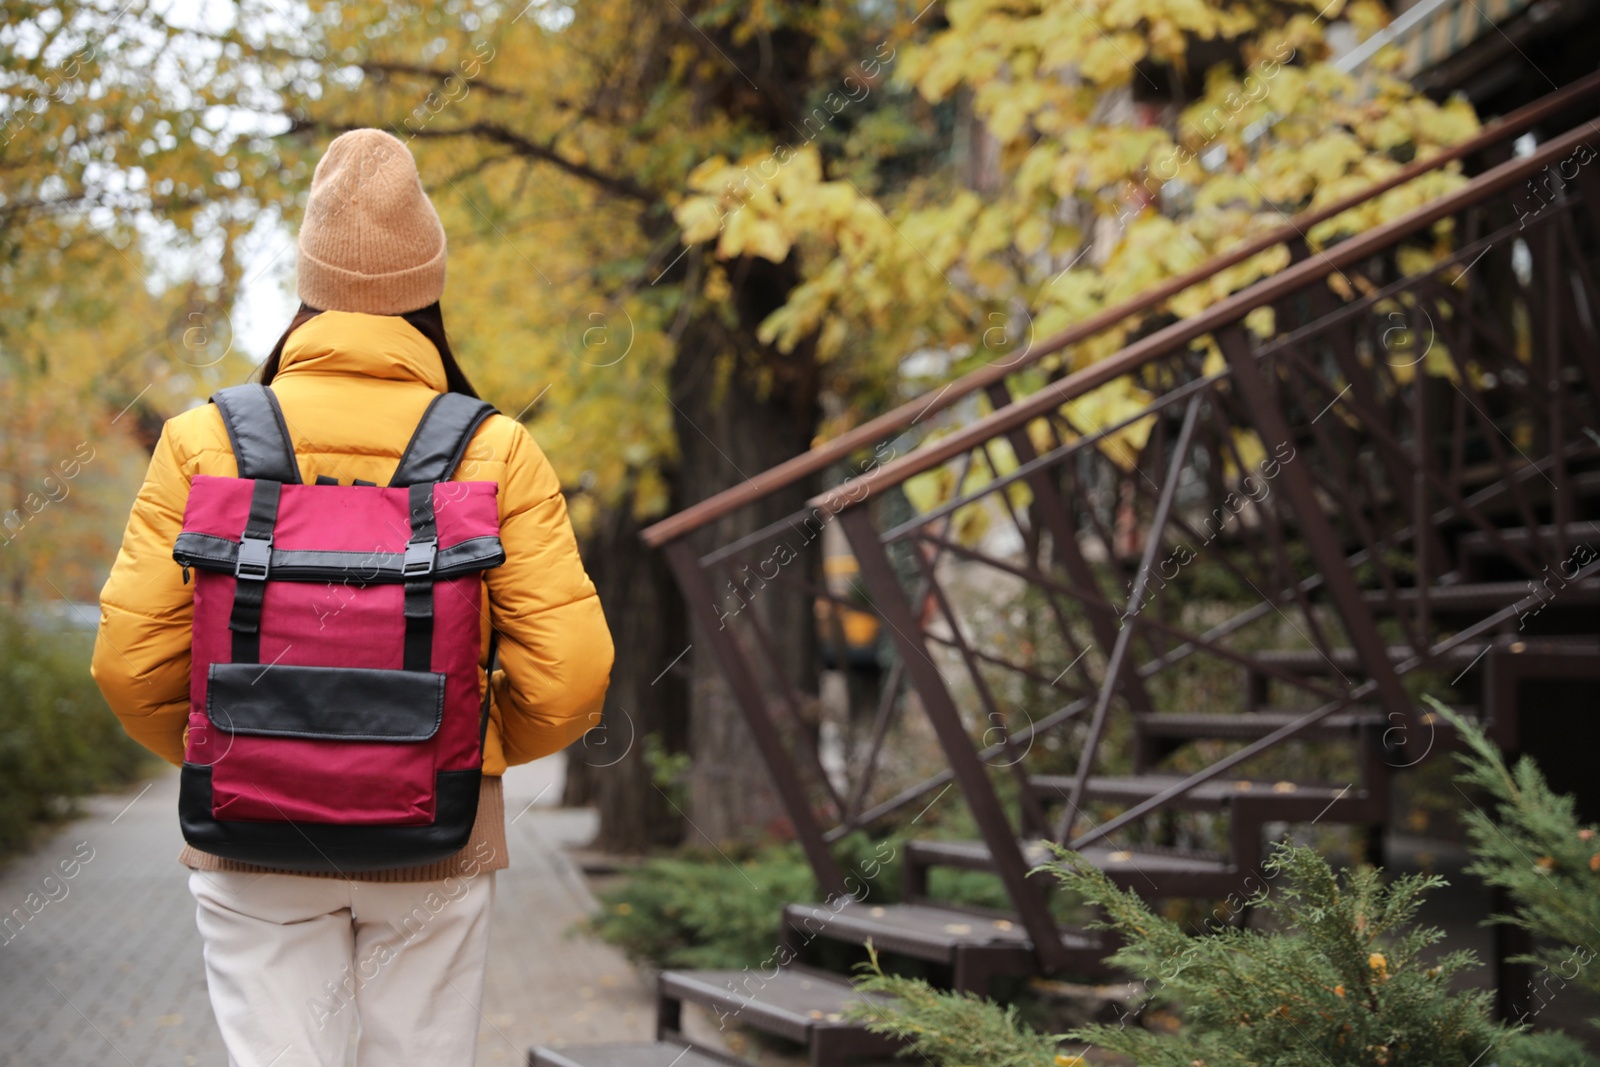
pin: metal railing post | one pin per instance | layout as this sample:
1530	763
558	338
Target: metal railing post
752	701
877	572
1317	531
1057	518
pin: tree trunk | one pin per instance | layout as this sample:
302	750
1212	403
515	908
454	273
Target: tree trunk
730	426
646	709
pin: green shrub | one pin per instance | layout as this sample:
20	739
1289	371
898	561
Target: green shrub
1537	851
704	911
712	909
950	1029
1345	983
58	740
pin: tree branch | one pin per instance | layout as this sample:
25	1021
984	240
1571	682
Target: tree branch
480	166
383	67
617	185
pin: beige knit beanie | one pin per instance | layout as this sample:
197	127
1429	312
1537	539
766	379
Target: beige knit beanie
371	240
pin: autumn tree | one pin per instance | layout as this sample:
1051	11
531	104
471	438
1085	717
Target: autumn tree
557	141
104	156
699	235
688	239
1118	145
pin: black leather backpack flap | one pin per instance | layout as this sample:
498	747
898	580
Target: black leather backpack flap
327	703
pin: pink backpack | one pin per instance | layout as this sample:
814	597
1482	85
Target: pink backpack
334	717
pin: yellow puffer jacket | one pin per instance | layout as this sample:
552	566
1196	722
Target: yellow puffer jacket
352	388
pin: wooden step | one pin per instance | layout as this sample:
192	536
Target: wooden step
1310	661
1476	542
1154	873
1313	661
629	1054
1277	800
1160	735
1535	487
1482	558
937	933
1191	726
1481	598
798	1003
1502	508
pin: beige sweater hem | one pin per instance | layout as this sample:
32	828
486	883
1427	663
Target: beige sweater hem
485	850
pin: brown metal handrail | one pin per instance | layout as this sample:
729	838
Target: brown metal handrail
1076	707
1079	515
899	419
1226	312
1222	321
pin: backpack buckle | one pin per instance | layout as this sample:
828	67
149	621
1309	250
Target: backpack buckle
255	555
419	558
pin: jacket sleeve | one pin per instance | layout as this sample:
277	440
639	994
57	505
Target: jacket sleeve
141	653
555	648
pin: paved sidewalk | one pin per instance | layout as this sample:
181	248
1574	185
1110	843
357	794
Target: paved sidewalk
108	971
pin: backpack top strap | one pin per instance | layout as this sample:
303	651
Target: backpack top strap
441	439
260	438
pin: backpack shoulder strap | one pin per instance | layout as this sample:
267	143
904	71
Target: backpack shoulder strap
441	439
257	432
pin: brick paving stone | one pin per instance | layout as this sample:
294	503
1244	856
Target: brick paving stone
110	973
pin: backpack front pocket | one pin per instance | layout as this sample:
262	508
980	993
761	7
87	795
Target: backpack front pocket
322	744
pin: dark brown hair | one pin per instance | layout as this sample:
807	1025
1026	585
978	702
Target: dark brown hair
428	321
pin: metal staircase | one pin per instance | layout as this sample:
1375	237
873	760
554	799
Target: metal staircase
1336	489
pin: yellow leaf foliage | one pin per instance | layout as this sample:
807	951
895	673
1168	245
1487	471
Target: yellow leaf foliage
1095	201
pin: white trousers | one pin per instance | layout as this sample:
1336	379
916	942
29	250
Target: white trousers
295	964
